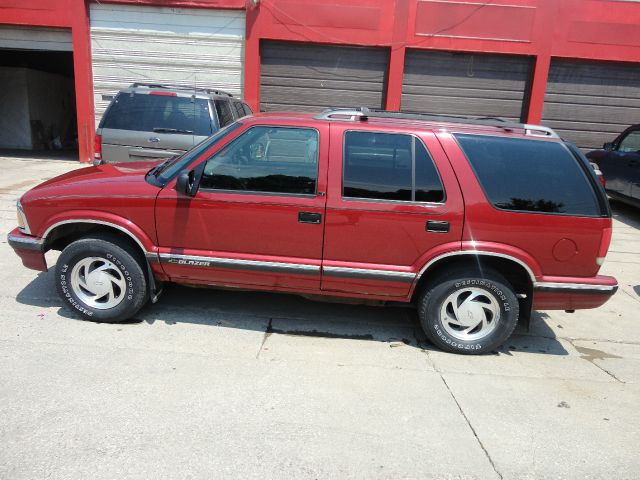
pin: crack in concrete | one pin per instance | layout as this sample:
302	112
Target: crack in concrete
421	344
591	355
635	297
473	430
267	333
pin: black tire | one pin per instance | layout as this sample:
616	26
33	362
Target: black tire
495	294
121	257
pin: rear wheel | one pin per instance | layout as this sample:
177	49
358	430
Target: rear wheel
466	312
102	278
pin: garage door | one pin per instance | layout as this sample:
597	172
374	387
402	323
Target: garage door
130	43
466	84
35	38
302	77
590	103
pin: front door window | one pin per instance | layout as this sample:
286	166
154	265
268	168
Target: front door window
273	160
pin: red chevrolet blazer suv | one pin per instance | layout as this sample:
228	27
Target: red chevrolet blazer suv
476	222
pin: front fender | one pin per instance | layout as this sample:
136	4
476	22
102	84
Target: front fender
144	240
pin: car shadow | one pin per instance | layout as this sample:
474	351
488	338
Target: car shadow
625	213
278	313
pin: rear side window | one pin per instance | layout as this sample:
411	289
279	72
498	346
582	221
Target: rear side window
159	113
225	115
389	166
239	110
529	175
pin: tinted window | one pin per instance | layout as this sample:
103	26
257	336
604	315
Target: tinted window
247	110
225	115
428	187
529	175
148	113
186	158
266	159
239	107
386	166
630	143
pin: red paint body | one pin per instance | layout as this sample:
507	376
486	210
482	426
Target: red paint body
385	238
583	29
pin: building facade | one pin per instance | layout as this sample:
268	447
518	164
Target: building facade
573	65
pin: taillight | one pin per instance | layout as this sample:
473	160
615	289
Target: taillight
163	94
97	147
605	241
598	173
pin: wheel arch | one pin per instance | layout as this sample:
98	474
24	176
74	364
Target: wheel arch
60	233
516	271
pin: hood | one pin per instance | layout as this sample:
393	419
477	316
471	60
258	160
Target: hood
102	176
109	180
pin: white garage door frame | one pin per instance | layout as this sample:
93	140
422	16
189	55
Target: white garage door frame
186	46
19	37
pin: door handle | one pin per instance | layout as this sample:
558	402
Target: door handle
309	217
437	226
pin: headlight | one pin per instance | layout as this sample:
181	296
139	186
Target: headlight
23	225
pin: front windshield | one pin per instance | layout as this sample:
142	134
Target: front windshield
182	161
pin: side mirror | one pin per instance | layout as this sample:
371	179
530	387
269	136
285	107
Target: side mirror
608	146
186	183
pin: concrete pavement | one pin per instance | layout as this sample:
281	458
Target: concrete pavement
219	384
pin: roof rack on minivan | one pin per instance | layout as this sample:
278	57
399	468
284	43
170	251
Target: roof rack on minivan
214	91
363	113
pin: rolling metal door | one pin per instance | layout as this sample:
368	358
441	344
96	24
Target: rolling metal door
590	103
187	46
475	85
311	78
35	38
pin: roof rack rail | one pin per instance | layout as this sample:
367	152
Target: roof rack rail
176	86
363	113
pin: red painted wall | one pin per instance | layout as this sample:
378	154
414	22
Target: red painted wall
71	14
586	29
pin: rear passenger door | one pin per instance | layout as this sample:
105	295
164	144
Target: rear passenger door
393	202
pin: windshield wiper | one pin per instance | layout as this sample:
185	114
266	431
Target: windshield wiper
171	130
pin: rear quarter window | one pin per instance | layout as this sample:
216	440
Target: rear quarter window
525	175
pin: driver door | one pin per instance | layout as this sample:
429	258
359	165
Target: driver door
257	218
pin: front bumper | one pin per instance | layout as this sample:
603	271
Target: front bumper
563	293
29	249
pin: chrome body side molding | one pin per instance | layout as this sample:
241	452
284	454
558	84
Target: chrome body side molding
370	274
238	264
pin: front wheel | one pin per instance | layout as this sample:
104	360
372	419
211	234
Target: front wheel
469	313
102	279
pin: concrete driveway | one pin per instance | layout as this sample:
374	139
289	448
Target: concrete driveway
217	384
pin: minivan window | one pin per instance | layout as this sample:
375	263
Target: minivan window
149	112
280	160
239	109
225	115
389	166
186	158
529	175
